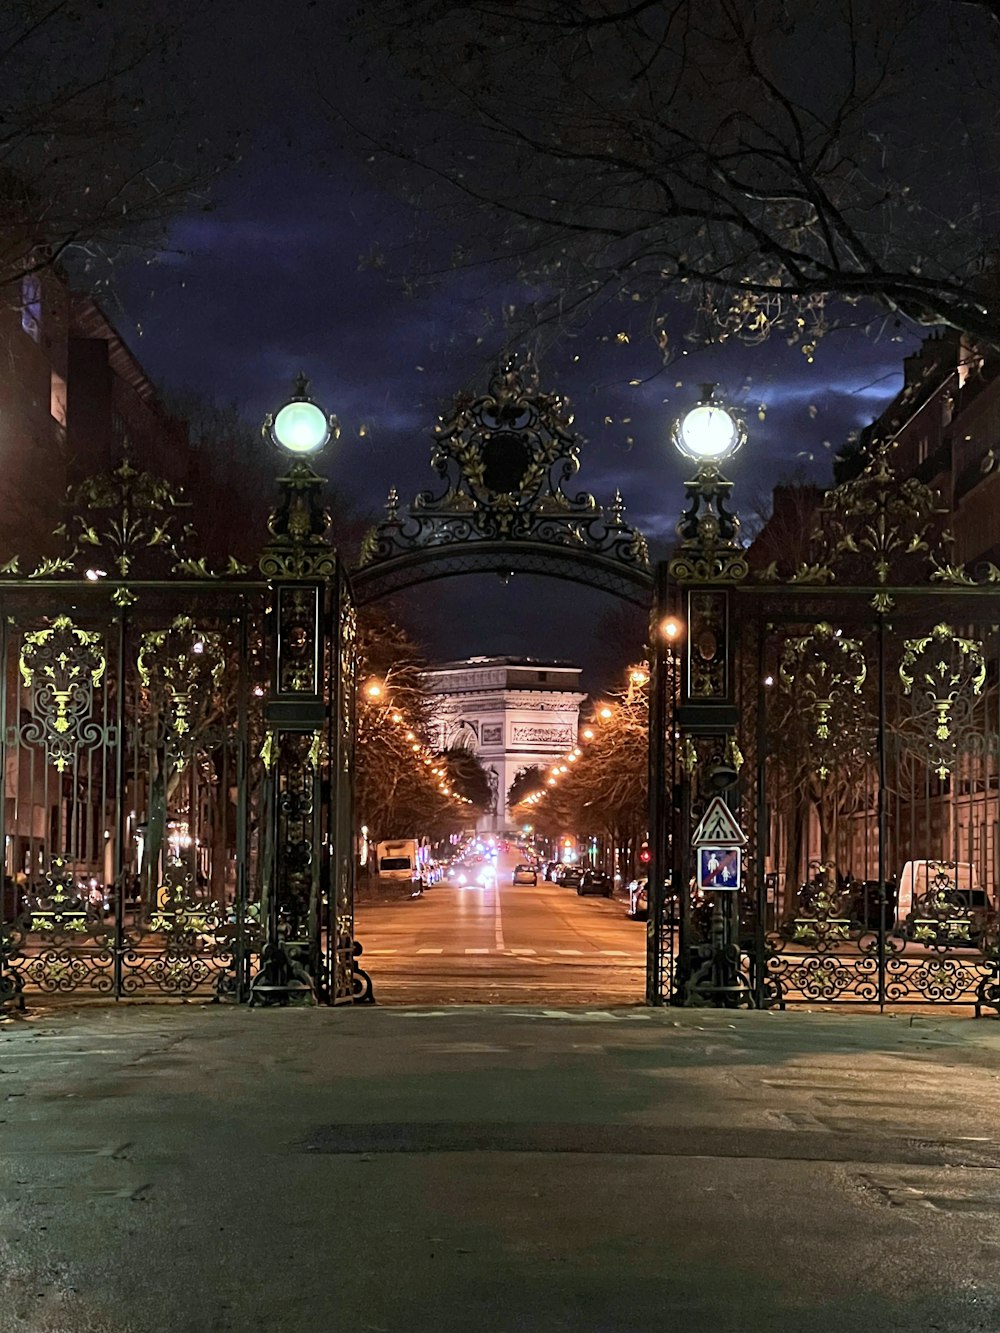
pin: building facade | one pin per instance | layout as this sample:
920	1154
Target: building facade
513	712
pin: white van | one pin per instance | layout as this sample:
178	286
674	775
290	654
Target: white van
959	879
398	859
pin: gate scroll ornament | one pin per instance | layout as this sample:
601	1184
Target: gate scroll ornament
823	672
62	666
180	668
505	459
942	672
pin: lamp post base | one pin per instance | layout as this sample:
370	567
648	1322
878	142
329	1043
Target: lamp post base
283	978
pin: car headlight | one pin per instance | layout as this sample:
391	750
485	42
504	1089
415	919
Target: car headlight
461	879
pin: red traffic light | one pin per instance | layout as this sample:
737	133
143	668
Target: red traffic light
644	853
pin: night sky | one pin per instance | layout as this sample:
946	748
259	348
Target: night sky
273	281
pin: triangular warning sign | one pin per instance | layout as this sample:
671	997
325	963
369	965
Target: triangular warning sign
718	827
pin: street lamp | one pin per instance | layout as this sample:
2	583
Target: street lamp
710	432
301	427
708	559
300	564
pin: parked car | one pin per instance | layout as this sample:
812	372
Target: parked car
595	881
638	899
569	876
525	874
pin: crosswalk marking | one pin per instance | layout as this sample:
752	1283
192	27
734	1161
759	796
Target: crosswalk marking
477	951
522	951
377	953
569	953
430	951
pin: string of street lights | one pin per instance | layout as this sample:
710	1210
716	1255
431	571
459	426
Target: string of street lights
375	691
638	680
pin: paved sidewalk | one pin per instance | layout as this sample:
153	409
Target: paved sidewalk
208	1168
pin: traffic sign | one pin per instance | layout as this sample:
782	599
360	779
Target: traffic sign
718	827
719	868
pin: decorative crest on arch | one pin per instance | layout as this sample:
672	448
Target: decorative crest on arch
505	459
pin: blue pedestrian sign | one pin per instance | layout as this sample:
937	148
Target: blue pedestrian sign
719	868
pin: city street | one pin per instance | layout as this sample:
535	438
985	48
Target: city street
501	943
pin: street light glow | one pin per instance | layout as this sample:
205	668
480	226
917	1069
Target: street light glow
670	628
709	432
301	427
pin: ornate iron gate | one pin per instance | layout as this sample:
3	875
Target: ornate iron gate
877	757
129	732
151	843
850	706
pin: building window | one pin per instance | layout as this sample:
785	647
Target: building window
58	399
31	305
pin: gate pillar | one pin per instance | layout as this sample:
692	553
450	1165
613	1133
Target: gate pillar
708	561
300	564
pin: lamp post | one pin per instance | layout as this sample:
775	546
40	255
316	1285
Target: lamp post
299	562
707	562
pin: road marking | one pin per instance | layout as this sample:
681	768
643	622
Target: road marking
430	951
569	953
497	922
477	951
372	953
521	951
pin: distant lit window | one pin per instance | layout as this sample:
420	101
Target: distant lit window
58	399
31	305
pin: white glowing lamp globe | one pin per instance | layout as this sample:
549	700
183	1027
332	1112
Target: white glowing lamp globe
301	427
708	433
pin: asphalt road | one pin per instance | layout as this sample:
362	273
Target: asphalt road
502	943
201	1169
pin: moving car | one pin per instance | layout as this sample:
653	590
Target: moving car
525	874
595	881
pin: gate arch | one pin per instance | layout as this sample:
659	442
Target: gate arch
504	460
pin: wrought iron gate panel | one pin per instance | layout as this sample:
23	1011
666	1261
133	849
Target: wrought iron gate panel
875	745
130	731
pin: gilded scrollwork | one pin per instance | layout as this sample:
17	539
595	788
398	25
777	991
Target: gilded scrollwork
61	667
180	668
942	673
300	529
709	549
824	671
878	522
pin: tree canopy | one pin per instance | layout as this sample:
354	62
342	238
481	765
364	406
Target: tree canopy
101	136
763	161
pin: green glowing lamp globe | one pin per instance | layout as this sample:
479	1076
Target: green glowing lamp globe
301	427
